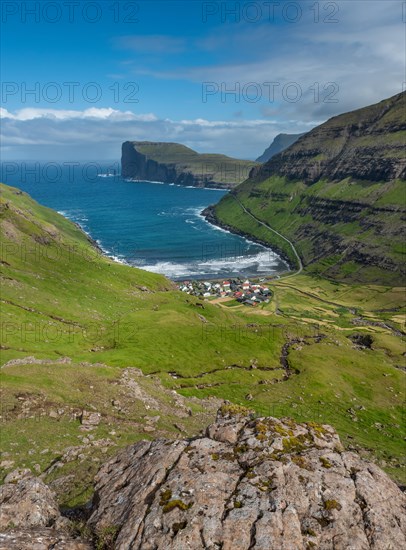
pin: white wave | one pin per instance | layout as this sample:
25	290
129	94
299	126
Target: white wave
263	262
119	260
218	228
144	181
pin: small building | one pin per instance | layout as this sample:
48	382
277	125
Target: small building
246	285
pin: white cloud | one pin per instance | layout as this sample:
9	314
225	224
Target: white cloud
64	114
98	133
363	54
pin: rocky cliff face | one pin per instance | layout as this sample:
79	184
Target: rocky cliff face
175	163
367	144
138	166
280	143
247	483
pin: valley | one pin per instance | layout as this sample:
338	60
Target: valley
152	361
202	276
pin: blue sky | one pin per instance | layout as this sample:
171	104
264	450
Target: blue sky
161	71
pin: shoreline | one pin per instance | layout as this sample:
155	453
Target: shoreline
227	187
213	277
210	216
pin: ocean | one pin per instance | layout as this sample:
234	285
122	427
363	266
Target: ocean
150	225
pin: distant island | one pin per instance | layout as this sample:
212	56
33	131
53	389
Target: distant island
279	144
176	163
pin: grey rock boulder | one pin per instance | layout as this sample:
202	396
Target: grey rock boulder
40	539
248	483
30	518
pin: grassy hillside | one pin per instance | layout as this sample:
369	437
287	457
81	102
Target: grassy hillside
367	144
350	231
80	332
338	194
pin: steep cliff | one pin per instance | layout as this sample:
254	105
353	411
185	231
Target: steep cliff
338	194
366	144
279	144
175	163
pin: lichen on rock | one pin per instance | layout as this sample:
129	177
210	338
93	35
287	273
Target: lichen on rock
228	489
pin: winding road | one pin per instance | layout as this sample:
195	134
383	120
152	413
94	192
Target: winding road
300	264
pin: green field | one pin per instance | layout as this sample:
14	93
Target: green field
77	326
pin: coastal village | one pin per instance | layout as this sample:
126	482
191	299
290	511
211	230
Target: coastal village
246	292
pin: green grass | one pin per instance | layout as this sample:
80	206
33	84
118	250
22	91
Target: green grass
65	300
326	218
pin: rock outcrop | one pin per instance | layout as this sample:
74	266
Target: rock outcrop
248	483
175	163
30	517
40	539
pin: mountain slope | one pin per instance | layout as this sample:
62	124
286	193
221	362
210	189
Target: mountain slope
176	163
366	144
96	355
280	143
338	193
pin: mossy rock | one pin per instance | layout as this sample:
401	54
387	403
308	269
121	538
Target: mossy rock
332	505
235	410
325	462
172	504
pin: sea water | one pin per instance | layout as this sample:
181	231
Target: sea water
151	225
